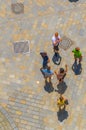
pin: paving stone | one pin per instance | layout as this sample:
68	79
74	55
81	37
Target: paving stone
6	122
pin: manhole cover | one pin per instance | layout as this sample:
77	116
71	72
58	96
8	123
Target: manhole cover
21	47
17	8
66	43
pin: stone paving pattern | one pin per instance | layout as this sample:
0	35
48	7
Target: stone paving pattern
25	99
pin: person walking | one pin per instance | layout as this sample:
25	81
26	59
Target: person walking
47	73
56	39
46	59
77	54
62	102
61	74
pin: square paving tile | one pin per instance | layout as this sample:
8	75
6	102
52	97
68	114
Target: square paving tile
17	8
21	47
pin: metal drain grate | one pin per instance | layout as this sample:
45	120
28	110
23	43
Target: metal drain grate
66	43
17	8
21	47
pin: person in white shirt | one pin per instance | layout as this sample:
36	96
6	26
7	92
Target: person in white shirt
56	39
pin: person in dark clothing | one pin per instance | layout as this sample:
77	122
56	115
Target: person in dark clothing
46	59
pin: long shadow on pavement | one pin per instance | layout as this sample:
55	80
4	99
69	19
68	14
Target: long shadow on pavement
61	88
48	87
57	59
73	0
77	68
62	115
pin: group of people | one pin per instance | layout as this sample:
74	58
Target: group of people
46	69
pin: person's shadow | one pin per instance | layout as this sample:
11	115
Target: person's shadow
61	88
48	87
77	68
62	115
57	59
73	0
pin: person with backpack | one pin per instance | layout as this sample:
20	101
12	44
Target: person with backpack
61	74
77	54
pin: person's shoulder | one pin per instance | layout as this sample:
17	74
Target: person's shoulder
59	36
58	101
47	57
80	52
73	50
53	37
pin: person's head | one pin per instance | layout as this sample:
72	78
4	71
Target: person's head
61	98
48	67
77	49
61	70
56	34
45	54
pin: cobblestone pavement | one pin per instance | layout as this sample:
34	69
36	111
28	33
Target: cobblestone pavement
23	92
4	124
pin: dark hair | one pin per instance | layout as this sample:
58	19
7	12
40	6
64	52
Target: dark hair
61	70
61	98
48	67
